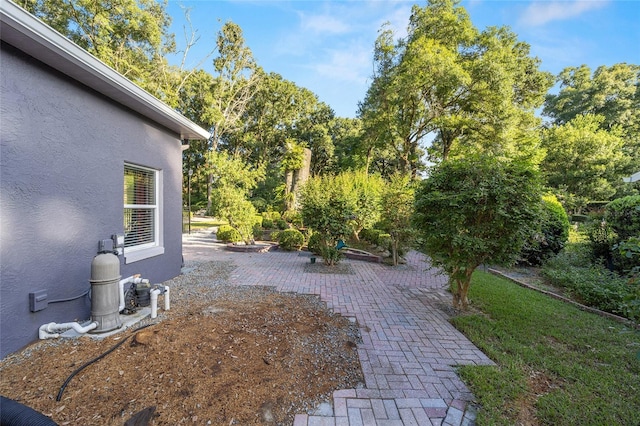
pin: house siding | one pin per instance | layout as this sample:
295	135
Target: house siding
63	149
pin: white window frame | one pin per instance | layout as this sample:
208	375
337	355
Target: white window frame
155	248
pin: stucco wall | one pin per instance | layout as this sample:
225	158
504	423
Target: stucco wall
63	149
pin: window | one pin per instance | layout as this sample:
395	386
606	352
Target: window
141	213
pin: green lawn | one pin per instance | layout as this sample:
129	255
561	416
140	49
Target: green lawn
557	365
201	223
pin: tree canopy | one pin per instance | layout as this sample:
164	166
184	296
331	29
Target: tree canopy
475	210
451	85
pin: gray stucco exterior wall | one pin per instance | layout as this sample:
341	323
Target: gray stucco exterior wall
62	156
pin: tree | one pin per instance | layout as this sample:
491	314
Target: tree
362	191
326	209
232	182
234	83
397	204
451	85
611	93
131	36
584	162
472	211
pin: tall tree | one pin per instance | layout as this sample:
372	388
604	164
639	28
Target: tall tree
451	85
613	93
584	162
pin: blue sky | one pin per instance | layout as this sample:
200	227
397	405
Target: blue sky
326	46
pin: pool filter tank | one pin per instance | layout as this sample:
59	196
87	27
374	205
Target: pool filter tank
105	294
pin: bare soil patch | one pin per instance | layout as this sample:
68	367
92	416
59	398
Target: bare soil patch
222	355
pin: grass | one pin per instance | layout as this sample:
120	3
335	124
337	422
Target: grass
556	365
201	223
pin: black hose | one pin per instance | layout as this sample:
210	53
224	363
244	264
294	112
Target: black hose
98	358
70	298
12	413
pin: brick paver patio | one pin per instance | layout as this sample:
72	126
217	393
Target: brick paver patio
409	349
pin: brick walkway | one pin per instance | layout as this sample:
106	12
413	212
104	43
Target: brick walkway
409	349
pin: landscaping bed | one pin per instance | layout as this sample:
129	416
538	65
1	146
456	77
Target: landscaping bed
222	355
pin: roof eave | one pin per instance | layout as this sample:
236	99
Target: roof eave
27	33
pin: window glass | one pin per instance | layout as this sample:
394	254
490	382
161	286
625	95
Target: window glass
140	206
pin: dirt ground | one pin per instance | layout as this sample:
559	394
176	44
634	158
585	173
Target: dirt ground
237	356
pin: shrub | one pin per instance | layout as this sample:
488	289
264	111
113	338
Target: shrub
291	239
591	284
330	254
267	223
552	235
275	235
257	231
228	234
293	217
281	224
315	243
601	239
623	214
273	216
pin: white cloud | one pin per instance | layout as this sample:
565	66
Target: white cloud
351	64
324	24
541	12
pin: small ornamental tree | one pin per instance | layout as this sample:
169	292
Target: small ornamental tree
397	205
326	210
475	210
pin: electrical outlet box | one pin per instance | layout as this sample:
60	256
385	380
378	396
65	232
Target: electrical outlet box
38	300
118	243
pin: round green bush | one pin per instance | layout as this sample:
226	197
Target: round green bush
281	224
315	243
293	217
552	236
228	234
267	223
291	239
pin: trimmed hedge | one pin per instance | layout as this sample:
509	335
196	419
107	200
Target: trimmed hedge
315	243
228	234
291	239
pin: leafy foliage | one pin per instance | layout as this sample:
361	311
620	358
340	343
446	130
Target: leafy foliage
228	234
362	192
131	36
551	236
475	210
397	205
233	180
291	239
590	283
611	92
315	243
327	210
470	90
596	158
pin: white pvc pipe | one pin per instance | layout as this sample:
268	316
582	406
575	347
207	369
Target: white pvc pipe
154	302
135	279
48	331
166	298
154	293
